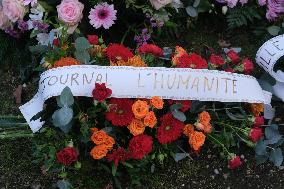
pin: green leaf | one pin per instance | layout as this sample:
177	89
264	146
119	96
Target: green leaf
83	56
62	117
113	170
82	43
78	165
63	184
180	156
127	164
175	107
197	106
236	116
66	98
272	133
276	157
38	49
179	115
261	159
196	3
260	148
204	6
273	30
191	11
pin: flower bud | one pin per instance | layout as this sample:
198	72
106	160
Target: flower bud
224	10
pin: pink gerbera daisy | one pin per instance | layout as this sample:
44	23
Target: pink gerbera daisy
102	15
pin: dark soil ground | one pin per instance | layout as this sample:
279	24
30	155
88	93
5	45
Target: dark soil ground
208	170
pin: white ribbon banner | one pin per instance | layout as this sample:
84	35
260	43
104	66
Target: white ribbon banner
133	82
267	56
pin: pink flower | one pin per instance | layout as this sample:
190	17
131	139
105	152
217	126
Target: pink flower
235	162
102	15
243	2
262	2
4	21
275	7
232	3
32	2
70	12
14	9
255	134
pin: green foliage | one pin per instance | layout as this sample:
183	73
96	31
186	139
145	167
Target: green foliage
63	184
81	53
242	16
176	113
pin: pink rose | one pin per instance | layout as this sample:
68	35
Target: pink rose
70	12
157	4
4	21
14	9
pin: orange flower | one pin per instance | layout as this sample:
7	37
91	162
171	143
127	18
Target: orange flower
140	109
157	102
256	109
208	128
109	142
99	137
204	118
150	119
136	61
66	61
196	140
179	51
94	129
199	126
98	152
188	129
136	127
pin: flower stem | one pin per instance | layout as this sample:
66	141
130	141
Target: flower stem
220	143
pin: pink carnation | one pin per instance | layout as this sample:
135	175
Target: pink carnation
70	12
275	7
4	21
102	15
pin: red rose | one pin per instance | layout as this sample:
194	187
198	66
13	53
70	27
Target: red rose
67	156
140	146
235	162
101	92
55	42
258	121
216	60
233	56
93	39
229	70
255	134
247	66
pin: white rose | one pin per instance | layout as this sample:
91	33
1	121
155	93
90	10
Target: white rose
157	4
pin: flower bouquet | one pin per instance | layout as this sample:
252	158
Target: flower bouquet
132	135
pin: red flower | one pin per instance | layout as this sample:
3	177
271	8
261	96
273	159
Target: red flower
151	49
229	70
247	65
192	61
235	162
118	155
170	129
55	42
233	56
255	134
140	146
216	60
67	156
258	121
93	39
116	52
185	104
120	113
101	92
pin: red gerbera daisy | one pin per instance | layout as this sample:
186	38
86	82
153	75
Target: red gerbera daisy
193	60
116	52
151	49
120	113
170	129
118	155
140	146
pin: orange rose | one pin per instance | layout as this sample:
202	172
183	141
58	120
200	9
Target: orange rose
204	118
98	152
94	129
140	109
196	140
99	137
208	128
109	142
188	130
150	119
199	126
256	109
136	127
157	102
